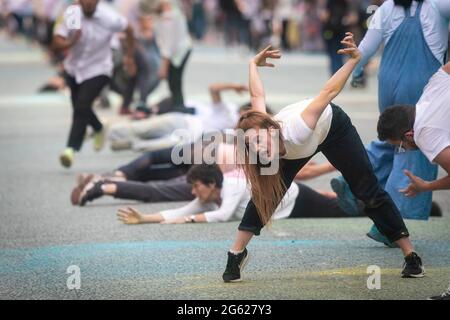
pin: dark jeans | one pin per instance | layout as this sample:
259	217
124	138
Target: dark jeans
173	190
175	80
154	165
344	149
83	96
311	204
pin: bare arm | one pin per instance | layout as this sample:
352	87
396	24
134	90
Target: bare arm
60	43
132	216
313	170
129	62
257	94
418	185
198	218
447	67
335	85
216	89
443	159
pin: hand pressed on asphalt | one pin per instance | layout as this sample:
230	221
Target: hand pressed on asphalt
129	216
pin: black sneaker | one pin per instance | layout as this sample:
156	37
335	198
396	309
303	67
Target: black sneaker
91	192
444	296
235	265
412	268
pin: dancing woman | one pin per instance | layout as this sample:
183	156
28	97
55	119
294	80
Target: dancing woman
292	138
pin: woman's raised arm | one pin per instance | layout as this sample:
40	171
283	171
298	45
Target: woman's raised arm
257	94
335	85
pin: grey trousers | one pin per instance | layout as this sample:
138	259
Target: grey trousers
171	190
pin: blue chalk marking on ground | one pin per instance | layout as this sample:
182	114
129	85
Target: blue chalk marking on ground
143	259
40	258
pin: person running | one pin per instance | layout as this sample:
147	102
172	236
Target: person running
290	139
224	197
415	35
89	65
424	127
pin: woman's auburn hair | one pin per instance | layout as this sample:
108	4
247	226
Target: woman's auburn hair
267	190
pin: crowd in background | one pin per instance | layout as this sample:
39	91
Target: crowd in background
292	24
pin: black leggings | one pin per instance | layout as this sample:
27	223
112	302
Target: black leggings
175	80
83	96
345	151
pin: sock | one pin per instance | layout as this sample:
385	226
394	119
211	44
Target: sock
236	252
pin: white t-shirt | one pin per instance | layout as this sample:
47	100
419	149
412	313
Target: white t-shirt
432	123
91	56
235	196
172	35
300	140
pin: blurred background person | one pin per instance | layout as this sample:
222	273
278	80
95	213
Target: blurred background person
174	43
337	17
88	66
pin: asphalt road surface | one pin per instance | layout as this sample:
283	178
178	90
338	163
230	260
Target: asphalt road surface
42	235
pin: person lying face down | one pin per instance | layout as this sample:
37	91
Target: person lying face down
223	197
424	127
219	198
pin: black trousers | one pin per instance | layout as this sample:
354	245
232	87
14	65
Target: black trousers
175	80
344	149
83	96
154	165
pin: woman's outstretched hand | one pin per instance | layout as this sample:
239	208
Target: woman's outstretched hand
351	49
129	216
261	58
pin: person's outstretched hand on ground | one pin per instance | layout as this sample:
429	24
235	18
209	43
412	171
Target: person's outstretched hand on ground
129	216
